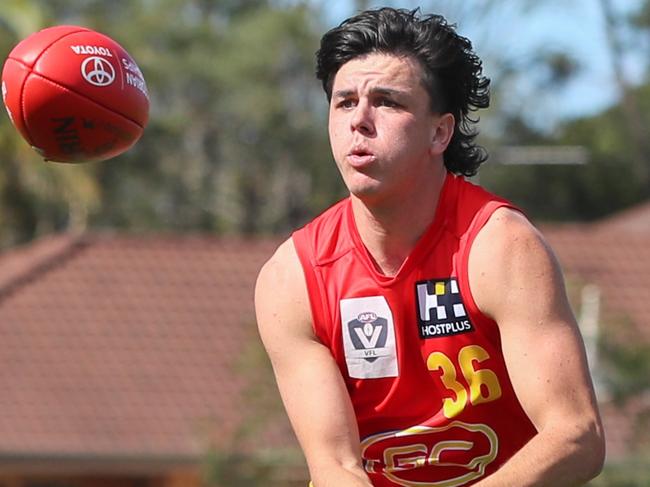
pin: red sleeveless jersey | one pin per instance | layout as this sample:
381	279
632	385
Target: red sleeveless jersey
423	366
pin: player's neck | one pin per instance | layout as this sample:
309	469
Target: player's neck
391	230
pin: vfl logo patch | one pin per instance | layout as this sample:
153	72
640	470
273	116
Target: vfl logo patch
368	337
368	333
441	311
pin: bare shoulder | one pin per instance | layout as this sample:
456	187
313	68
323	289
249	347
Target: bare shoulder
509	261
281	269
508	230
281	299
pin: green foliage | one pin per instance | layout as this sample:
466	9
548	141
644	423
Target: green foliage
233	135
624	371
634	472
612	179
641	18
19	18
36	197
271	469
625	361
245	459
617	174
237	139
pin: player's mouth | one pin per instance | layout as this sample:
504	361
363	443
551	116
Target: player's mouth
360	158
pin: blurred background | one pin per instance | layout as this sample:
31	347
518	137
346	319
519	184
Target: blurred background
128	353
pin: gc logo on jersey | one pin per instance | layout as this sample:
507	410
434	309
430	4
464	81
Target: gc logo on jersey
368	337
450	455
441	311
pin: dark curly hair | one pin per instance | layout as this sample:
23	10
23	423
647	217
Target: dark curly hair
453	73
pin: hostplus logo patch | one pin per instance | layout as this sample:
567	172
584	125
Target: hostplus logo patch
441	311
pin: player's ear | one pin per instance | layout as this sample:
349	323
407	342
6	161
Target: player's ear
442	132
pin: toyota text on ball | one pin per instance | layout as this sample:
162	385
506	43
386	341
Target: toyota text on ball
94	50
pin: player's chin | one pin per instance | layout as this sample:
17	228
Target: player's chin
368	191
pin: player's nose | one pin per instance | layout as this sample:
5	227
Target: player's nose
363	118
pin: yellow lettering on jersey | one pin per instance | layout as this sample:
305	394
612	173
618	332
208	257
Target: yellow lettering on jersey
483	383
491	390
451	406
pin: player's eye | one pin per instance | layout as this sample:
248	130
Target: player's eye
346	103
387	102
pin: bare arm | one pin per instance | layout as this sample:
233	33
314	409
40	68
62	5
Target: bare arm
309	380
516	280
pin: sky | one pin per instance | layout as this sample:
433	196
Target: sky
576	27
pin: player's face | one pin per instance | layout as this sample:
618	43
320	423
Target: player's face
381	127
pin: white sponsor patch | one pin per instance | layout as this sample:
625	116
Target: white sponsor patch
368	337
441	312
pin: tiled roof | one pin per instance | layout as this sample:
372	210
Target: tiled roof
134	346
635	220
125	345
616	261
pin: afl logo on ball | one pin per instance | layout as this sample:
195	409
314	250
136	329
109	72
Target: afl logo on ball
98	71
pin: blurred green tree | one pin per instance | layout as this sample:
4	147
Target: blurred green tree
610	181
35	197
237	139
618	171
262	450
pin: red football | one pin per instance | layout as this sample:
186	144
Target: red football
74	94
